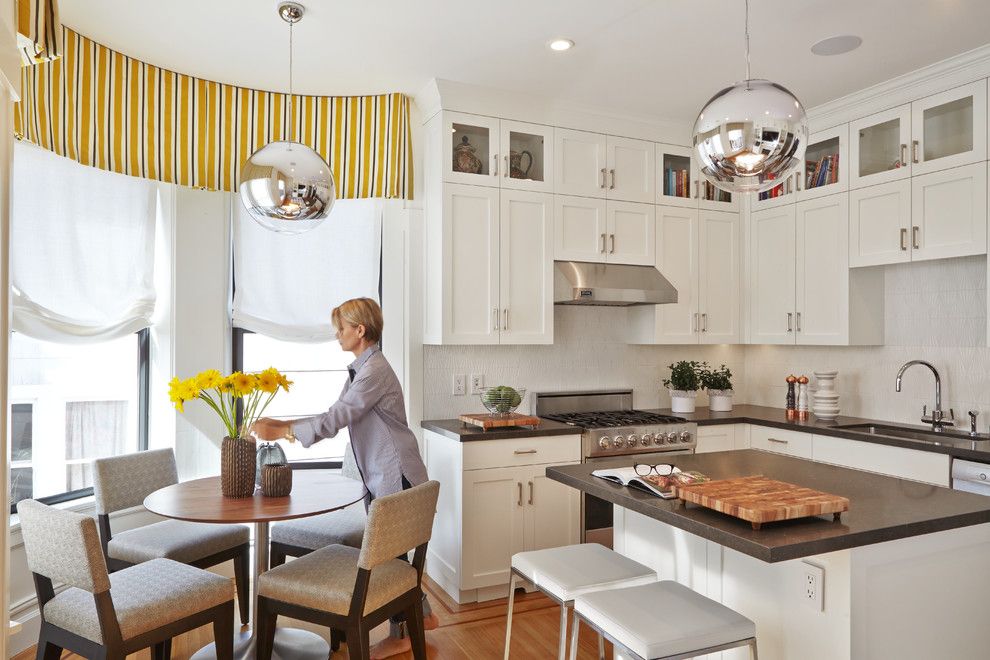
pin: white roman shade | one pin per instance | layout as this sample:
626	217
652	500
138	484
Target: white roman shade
82	249
286	284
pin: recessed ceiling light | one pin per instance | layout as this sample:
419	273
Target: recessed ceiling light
837	45
561	44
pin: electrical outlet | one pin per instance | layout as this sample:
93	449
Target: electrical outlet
458	389
477	383
813	586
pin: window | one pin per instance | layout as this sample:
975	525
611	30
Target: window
72	403
318	372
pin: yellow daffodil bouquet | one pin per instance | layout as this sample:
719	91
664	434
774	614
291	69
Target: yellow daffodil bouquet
221	393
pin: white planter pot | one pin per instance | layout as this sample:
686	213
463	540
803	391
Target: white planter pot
720	400
682	401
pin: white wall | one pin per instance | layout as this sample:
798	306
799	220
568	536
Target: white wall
934	311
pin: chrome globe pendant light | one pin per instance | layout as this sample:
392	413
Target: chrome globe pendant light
286	186
752	135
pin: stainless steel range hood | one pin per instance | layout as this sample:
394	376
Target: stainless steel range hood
617	285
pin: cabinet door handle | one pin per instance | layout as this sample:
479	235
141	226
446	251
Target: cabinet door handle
530	492
495	165
603	243
495	319
505	318
524	451
602	179
506	172
799	321
694	322
903	155
611	238
519	500
914	151
704	322
904	238
779	442
914	237
790	317
611	185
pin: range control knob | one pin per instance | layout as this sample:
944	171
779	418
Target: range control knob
658	438
604	443
647	439
618	442
633	439
685	436
671	438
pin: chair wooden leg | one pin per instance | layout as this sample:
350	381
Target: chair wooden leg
336	637
47	650
358	645
265	620
223	632
417	633
275	558
242	579
162	650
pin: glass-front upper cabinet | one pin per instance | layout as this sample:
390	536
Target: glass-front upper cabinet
825	167
782	193
949	129
470	149
527	156
879	149
677	185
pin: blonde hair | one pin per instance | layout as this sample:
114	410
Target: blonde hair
360	311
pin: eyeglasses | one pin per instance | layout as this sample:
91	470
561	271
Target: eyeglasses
662	469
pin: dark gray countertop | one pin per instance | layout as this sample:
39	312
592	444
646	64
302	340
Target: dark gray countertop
880	508
457	430
776	417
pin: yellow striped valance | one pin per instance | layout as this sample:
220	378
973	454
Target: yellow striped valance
39	33
114	112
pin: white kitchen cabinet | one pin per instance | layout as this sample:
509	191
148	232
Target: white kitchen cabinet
679	182
949	129
699	253
602	231
496	501
781	441
489	267
879	147
632	170
581	163
783	194
716	438
486	151
949	213
880	224
924	466
801	288
825	170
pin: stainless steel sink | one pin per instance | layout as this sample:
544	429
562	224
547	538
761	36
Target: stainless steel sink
922	435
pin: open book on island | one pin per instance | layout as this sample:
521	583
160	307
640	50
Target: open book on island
661	486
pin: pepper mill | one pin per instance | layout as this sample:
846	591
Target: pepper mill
802	399
791	399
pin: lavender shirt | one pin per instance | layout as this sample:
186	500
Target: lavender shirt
371	406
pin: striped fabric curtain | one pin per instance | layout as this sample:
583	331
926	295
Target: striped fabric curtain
39	32
110	111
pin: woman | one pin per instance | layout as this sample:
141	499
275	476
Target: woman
371	407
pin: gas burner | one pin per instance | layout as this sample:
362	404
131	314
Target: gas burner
612	418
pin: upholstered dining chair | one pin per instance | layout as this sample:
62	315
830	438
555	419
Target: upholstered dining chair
355	590
295	538
110	616
121	482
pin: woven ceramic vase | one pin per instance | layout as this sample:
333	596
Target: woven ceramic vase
276	480
237	466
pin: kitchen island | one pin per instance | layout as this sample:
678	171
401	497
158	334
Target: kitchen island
905	569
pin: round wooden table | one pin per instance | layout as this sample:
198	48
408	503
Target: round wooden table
313	492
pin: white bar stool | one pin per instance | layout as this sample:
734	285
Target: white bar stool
663	620
570	571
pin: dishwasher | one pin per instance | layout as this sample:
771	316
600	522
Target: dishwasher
970	476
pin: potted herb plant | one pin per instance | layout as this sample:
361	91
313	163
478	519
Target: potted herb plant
718	382
683	384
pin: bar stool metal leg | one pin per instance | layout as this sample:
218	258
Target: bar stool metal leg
562	642
575	627
752	650
601	647
508	618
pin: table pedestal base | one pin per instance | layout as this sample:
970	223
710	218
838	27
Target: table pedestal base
290	644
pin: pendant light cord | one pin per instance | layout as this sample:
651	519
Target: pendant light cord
747	45
292	123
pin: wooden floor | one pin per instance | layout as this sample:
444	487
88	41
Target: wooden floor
474	631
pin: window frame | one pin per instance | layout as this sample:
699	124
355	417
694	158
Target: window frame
143	418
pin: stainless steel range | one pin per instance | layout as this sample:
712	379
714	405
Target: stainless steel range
615	434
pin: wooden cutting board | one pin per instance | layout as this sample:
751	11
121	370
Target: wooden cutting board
486	421
759	500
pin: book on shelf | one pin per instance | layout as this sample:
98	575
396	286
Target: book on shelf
823	172
659	485
676	183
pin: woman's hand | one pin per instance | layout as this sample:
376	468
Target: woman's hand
267	428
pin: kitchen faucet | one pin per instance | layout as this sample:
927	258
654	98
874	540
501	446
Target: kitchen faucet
936	419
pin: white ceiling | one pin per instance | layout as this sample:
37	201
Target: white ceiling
657	57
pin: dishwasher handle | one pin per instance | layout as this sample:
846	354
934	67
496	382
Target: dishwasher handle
971	476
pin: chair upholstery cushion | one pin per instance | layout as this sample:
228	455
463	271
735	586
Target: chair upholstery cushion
343	527
572	570
145	597
663	619
324	580
175	539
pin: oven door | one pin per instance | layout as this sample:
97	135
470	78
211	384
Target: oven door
596	513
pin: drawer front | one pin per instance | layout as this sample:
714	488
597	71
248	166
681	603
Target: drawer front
781	441
897	462
482	454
